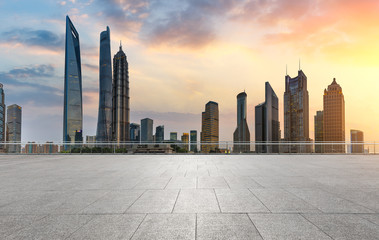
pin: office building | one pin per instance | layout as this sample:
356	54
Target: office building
104	119
135	131
357	141
319	131
91	141
173	136
241	136
146	130
159	134
334	118
14	113
185	141
210	128
296	112
73	109
120	106
2	118
193	141
267	129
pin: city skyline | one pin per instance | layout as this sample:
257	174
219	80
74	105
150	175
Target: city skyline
190	76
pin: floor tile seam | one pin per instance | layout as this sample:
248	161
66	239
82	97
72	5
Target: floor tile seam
80	227
218	203
259	200
167	183
139	225
28	225
255	226
315	225
256	182
195	226
226	182
176	200
302	199
135	201
369	220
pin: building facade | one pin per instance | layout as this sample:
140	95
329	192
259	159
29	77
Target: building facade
120	105
135	132
241	136
334	118
173	136
14	113
146	130
319	131
296	112
357	141
193	141
73	108
2	118
159	134
104	119
267	127
91	141
210	128
185	141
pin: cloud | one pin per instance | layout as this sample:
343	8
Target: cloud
35	38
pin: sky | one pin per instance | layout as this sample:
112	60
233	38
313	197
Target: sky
184	53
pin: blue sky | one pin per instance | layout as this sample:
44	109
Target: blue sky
185	53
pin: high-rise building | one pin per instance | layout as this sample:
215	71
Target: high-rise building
159	134
135	132
334	118
319	132
146	130
73	109
104	119
2	118
296	112
267	123
49	147
121	110
357	141
193	141
14	128
90	141
210	128
241	136
185	141
173	136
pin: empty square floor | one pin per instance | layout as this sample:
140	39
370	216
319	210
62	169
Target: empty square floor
189	197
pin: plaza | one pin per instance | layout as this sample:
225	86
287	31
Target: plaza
189	196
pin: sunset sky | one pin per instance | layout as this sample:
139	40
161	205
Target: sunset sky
184	53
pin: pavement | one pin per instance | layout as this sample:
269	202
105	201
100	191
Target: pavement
189	197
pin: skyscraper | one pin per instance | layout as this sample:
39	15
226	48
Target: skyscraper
241	136
104	119
210	128
121	110
159	134
334	118
296	112
193	141
73	109
146	130
2	118
14	128
319	131
185	141
267	122
173	136
135	132
357	140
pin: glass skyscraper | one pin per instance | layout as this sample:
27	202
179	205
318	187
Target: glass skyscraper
319	131
14	128
193	141
104	120
120	106
242	133
210	128
147	130
73	109
2	117
267	122
135	132
159	134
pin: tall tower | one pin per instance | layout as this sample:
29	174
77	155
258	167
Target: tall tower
146	130
242	133
319	131
334	118
120	122
73	109
2	118
193	141
14	128
267	122
296	112
159	134
210	127
104	119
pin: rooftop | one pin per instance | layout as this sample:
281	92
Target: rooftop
189	197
